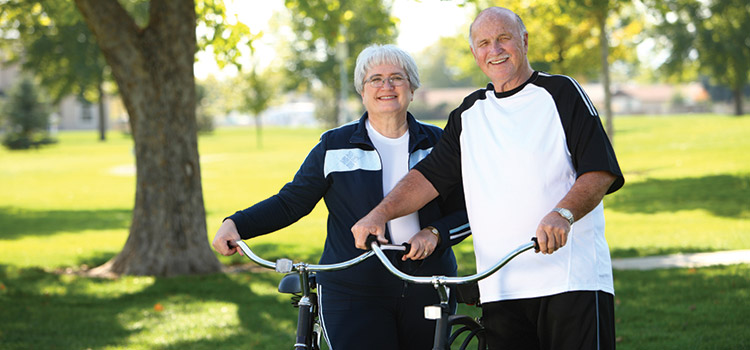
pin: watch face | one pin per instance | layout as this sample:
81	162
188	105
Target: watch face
565	213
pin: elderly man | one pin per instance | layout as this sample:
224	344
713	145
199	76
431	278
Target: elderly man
533	158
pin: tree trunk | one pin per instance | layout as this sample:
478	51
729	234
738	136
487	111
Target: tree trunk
737	92
258	131
604	46
153	68
102	113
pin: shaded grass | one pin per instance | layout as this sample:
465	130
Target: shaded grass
664	309
52	311
703	308
687	185
44	223
719	195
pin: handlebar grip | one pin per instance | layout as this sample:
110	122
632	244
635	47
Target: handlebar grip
407	246
373	238
369	240
536	244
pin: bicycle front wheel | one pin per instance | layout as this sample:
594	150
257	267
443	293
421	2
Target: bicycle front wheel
466	333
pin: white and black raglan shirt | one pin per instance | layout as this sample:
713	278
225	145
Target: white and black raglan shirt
517	154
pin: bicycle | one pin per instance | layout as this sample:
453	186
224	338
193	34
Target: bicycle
444	334
300	281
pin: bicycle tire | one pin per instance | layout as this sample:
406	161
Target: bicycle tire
466	324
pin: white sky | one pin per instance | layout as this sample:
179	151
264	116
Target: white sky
422	22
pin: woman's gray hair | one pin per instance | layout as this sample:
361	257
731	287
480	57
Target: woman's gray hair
377	54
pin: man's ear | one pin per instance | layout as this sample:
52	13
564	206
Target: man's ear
526	41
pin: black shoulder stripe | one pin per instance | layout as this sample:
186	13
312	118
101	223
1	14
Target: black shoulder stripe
471	99
584	96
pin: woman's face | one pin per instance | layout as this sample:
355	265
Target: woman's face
387	99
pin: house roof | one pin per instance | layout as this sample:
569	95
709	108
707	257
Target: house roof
653	93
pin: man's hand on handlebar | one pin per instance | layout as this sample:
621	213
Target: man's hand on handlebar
371	224
225	237
552	233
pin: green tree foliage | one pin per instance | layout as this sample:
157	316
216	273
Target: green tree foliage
258	90
707	36
448	63
27	116
51	40
203	114
326	30
602	13
221	35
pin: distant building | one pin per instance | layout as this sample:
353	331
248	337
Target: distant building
633	98
627	98
449	96
297	111
69	114
72	114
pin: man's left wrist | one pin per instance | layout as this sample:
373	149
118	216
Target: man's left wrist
566	214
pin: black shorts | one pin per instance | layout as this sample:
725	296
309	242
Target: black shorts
573	320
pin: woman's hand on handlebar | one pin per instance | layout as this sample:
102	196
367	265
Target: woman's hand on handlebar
225	237
423	244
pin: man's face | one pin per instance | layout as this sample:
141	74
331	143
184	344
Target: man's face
499	48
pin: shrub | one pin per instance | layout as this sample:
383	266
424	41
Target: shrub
27	117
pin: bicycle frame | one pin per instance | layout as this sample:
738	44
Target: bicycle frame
440	313
306	316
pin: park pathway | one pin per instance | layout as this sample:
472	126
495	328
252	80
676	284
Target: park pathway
683	260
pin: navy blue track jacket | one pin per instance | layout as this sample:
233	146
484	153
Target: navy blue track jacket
345	170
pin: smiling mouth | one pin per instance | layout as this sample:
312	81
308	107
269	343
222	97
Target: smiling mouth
389	97
498	60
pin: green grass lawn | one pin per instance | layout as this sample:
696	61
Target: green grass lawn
67	205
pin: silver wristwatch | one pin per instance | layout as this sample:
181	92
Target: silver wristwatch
565	213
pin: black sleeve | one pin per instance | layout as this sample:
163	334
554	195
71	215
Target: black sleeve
442	167
587	141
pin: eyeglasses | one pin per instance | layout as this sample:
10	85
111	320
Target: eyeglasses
377	82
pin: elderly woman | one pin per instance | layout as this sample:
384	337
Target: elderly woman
352	168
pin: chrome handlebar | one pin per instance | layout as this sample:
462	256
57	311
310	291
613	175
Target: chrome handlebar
285	265
446	280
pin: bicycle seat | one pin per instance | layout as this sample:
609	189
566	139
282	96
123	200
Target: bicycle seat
289	284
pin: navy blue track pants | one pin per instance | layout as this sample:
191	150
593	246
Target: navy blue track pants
378	323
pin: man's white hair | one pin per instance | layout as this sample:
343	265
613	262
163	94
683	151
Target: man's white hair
495	9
